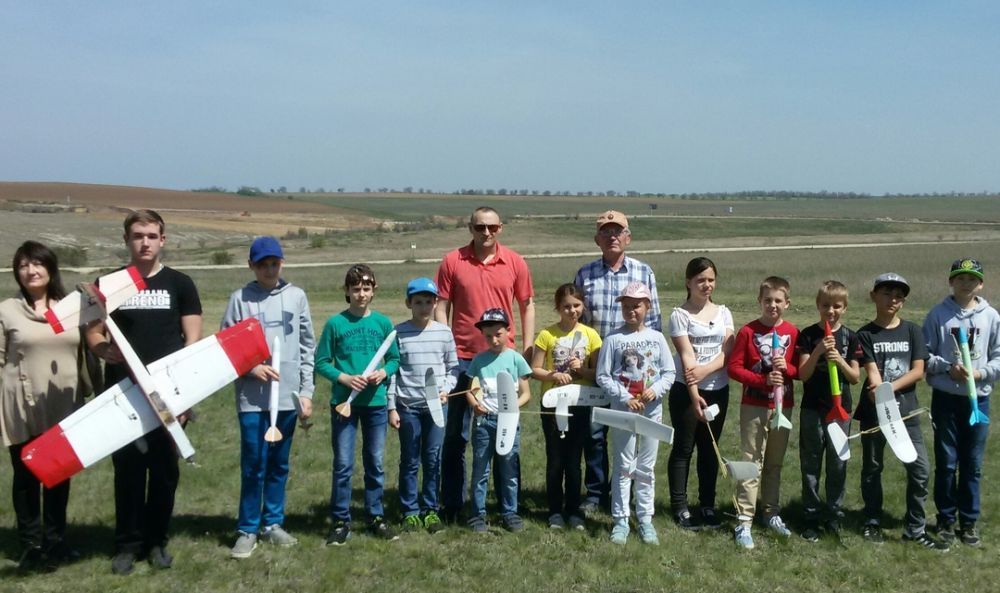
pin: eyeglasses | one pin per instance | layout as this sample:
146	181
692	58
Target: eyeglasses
481	228
608	233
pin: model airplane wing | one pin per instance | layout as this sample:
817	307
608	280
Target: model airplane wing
564	396
508	413
123	413
344	409
633	422
91	303
892	425
433	398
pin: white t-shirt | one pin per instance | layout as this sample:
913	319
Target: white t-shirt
706	340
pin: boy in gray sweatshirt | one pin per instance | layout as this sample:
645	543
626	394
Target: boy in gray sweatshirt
959	430
283	311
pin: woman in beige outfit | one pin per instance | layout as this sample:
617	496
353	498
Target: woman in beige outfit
39	387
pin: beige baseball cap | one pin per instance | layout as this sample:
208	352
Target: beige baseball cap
612	217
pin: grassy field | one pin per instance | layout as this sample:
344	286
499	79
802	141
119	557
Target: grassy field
537	559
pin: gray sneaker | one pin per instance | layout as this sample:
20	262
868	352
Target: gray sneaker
245	545
274	534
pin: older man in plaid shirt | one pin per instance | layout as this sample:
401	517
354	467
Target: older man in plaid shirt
602	281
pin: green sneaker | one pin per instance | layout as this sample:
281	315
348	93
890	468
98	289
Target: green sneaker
432	522
412	523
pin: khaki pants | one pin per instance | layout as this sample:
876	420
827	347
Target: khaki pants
765	447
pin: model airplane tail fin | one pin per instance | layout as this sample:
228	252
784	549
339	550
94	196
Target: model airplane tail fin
837	414
91	303
839	440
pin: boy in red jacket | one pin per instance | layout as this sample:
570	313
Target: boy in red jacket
765	373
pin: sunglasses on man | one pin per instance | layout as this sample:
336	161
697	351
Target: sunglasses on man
481	228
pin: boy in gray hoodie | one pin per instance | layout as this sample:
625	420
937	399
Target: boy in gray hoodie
959	432
283	311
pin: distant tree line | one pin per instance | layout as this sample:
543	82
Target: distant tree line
245	190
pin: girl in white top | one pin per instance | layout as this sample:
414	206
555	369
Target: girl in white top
702	334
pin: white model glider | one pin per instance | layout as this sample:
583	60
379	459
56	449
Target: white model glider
735	470
840	441
564	396
273	435
344	409
633	422
508	413
433	398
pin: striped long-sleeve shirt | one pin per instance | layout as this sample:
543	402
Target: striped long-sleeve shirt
420	349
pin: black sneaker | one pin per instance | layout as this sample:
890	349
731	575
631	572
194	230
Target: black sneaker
339	534
872	533
380	529
970	535
159	558
683	520
477	524
123	563
513	523
833	526
926	541
811	534
61	553
450	516
710	518
945	531
31	560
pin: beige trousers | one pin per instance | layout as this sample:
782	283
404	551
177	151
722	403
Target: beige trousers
765	447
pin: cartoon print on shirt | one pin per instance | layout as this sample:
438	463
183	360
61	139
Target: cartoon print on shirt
632	372
763	344
563	352
895	368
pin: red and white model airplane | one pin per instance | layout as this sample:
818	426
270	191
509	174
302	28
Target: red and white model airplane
155	394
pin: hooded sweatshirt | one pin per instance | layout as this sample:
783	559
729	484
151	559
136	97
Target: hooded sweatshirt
282	311
982	325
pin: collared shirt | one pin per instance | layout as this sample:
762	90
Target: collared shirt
473	286
601	287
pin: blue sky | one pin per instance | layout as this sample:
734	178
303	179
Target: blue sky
660	96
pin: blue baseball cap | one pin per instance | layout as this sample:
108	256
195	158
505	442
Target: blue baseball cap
265	247
421	285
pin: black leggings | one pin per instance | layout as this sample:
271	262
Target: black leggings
688	433
40	511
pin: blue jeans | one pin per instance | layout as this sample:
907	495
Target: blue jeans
484	438
958	456
373	422
419	443
263	470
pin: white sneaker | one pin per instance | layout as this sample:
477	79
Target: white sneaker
743	537
778	526
274	534
245	544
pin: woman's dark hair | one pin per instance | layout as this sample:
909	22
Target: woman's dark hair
35	251
697	266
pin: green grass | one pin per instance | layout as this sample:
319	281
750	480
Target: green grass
538	559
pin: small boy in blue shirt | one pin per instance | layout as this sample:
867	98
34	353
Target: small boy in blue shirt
494	324
423	344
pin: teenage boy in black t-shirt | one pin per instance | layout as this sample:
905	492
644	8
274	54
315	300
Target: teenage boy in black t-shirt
159	320
893	350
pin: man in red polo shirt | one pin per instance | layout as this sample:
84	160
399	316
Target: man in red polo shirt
471	279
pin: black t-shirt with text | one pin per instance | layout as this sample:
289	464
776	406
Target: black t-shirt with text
151	319
893	351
